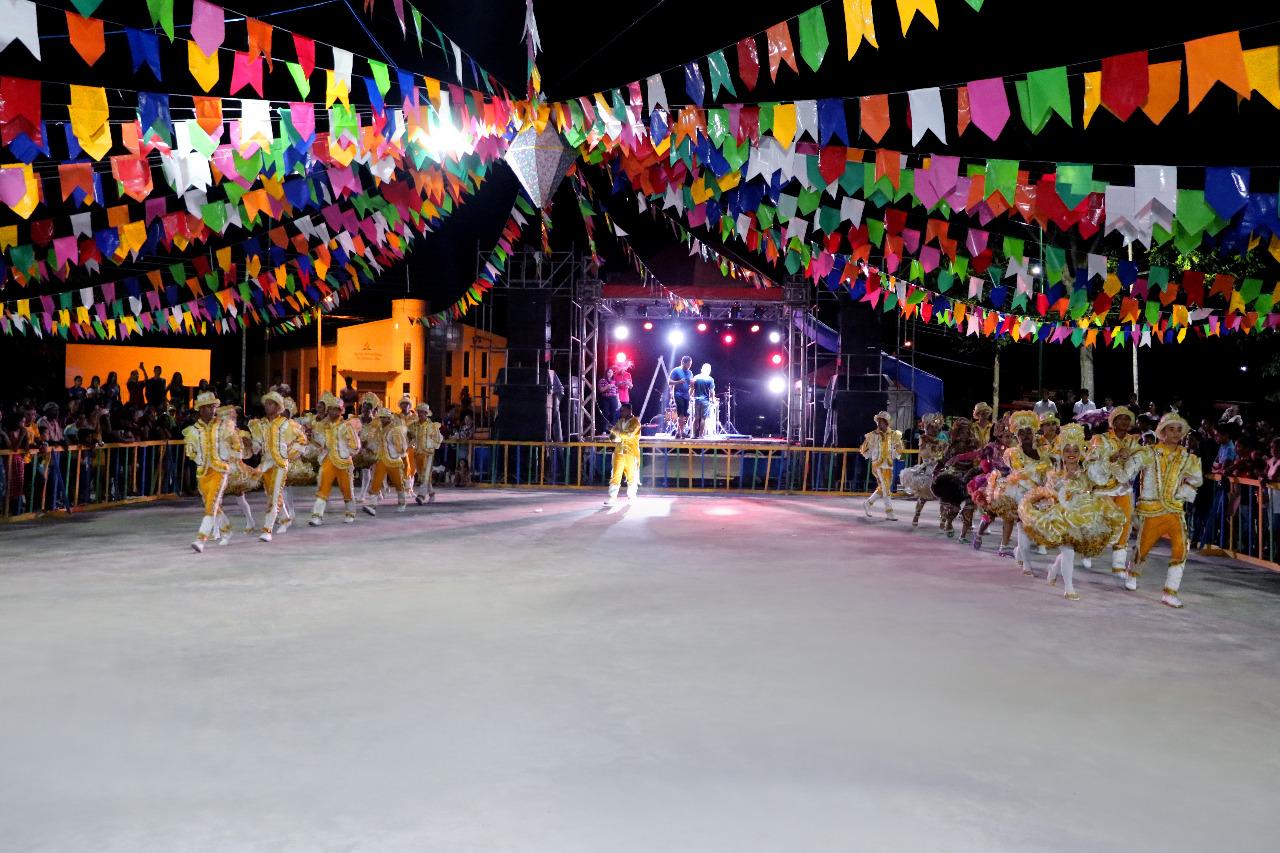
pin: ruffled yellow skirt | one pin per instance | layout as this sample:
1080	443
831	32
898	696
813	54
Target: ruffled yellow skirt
1086	522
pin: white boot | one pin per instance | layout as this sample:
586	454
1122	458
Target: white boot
402	502
1087	561
613	496
633	491
1067	559
348	514
1053	569
317	512
868	504
1172	581
206	527
1024	551
225	530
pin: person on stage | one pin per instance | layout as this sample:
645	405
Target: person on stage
393	446
408	416
341	441
425	438
982	422
1169	476
881	448
208	443
626	456
1065	513
704	391
607	390
281	439
1028	468
1110	455
917	480
622	382
681	381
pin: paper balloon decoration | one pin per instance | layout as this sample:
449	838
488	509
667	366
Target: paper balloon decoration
540	160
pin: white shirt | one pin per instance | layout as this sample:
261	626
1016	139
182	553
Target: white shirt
1083	406
1045	407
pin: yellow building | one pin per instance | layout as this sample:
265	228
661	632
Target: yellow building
466	358
387	357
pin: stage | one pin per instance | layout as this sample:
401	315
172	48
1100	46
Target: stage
527	671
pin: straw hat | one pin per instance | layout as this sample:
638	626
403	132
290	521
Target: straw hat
982	407
206	399
886	417
1169	420
1025	419
273	397
425	409
1117	412
384	412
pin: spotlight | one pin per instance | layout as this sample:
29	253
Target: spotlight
777	384
755	327
775	337
621	332
1036	269
776	359
702	327
1244	368
620	357
906	343
648	325
675	337
728	339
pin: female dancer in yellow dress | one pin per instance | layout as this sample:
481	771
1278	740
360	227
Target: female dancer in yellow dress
1065	513
1028	468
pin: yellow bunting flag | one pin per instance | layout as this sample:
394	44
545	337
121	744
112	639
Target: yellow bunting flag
859	24
907	10
1263	67
203	68
1092	94
784	124
89	113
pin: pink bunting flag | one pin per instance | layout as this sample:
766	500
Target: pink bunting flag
246	70
989	105
208	26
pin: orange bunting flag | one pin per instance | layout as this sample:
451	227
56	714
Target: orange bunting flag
86	36
875	116
1215	59
259	39
1165	89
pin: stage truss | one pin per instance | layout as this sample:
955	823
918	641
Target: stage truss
573	284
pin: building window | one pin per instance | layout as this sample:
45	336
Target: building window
484	365
408	356
466	365
448	364
404	388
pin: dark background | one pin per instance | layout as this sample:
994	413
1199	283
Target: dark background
590	47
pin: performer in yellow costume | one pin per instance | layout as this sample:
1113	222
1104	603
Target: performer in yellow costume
393	446
1049	440
1028	468
1169	475
282	440
1109	460
426	438
409	417
626	456
243	478
882	447
341	439
1065	513
983	420
208	443
367	456
917	480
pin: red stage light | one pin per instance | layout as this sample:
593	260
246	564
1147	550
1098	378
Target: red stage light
620	357
728	339
775	359
702	327
648	327
755	327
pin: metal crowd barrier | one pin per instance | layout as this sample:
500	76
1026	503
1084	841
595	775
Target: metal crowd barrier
1240	517
671	466
70	479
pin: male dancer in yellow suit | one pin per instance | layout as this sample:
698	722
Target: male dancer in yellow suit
426	438
1169	476
393	447
626	456
341	444
208	443
882	447
282	439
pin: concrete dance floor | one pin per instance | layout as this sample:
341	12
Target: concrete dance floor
516	671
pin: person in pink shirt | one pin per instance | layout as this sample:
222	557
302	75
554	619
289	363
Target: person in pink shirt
622	381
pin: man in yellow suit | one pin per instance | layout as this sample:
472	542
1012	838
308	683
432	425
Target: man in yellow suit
1169	476
1110	455
426	438
409	417
208	443
282	439
393	447
341	444
626	456
882	447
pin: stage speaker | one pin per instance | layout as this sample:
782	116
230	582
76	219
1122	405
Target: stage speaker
522	412
855	413
528	327
859	344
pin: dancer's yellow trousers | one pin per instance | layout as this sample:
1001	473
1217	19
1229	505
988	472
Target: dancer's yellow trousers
624	464
210	486
330	475
384	473
1171	526
1124	503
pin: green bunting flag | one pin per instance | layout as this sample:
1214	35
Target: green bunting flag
813	37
